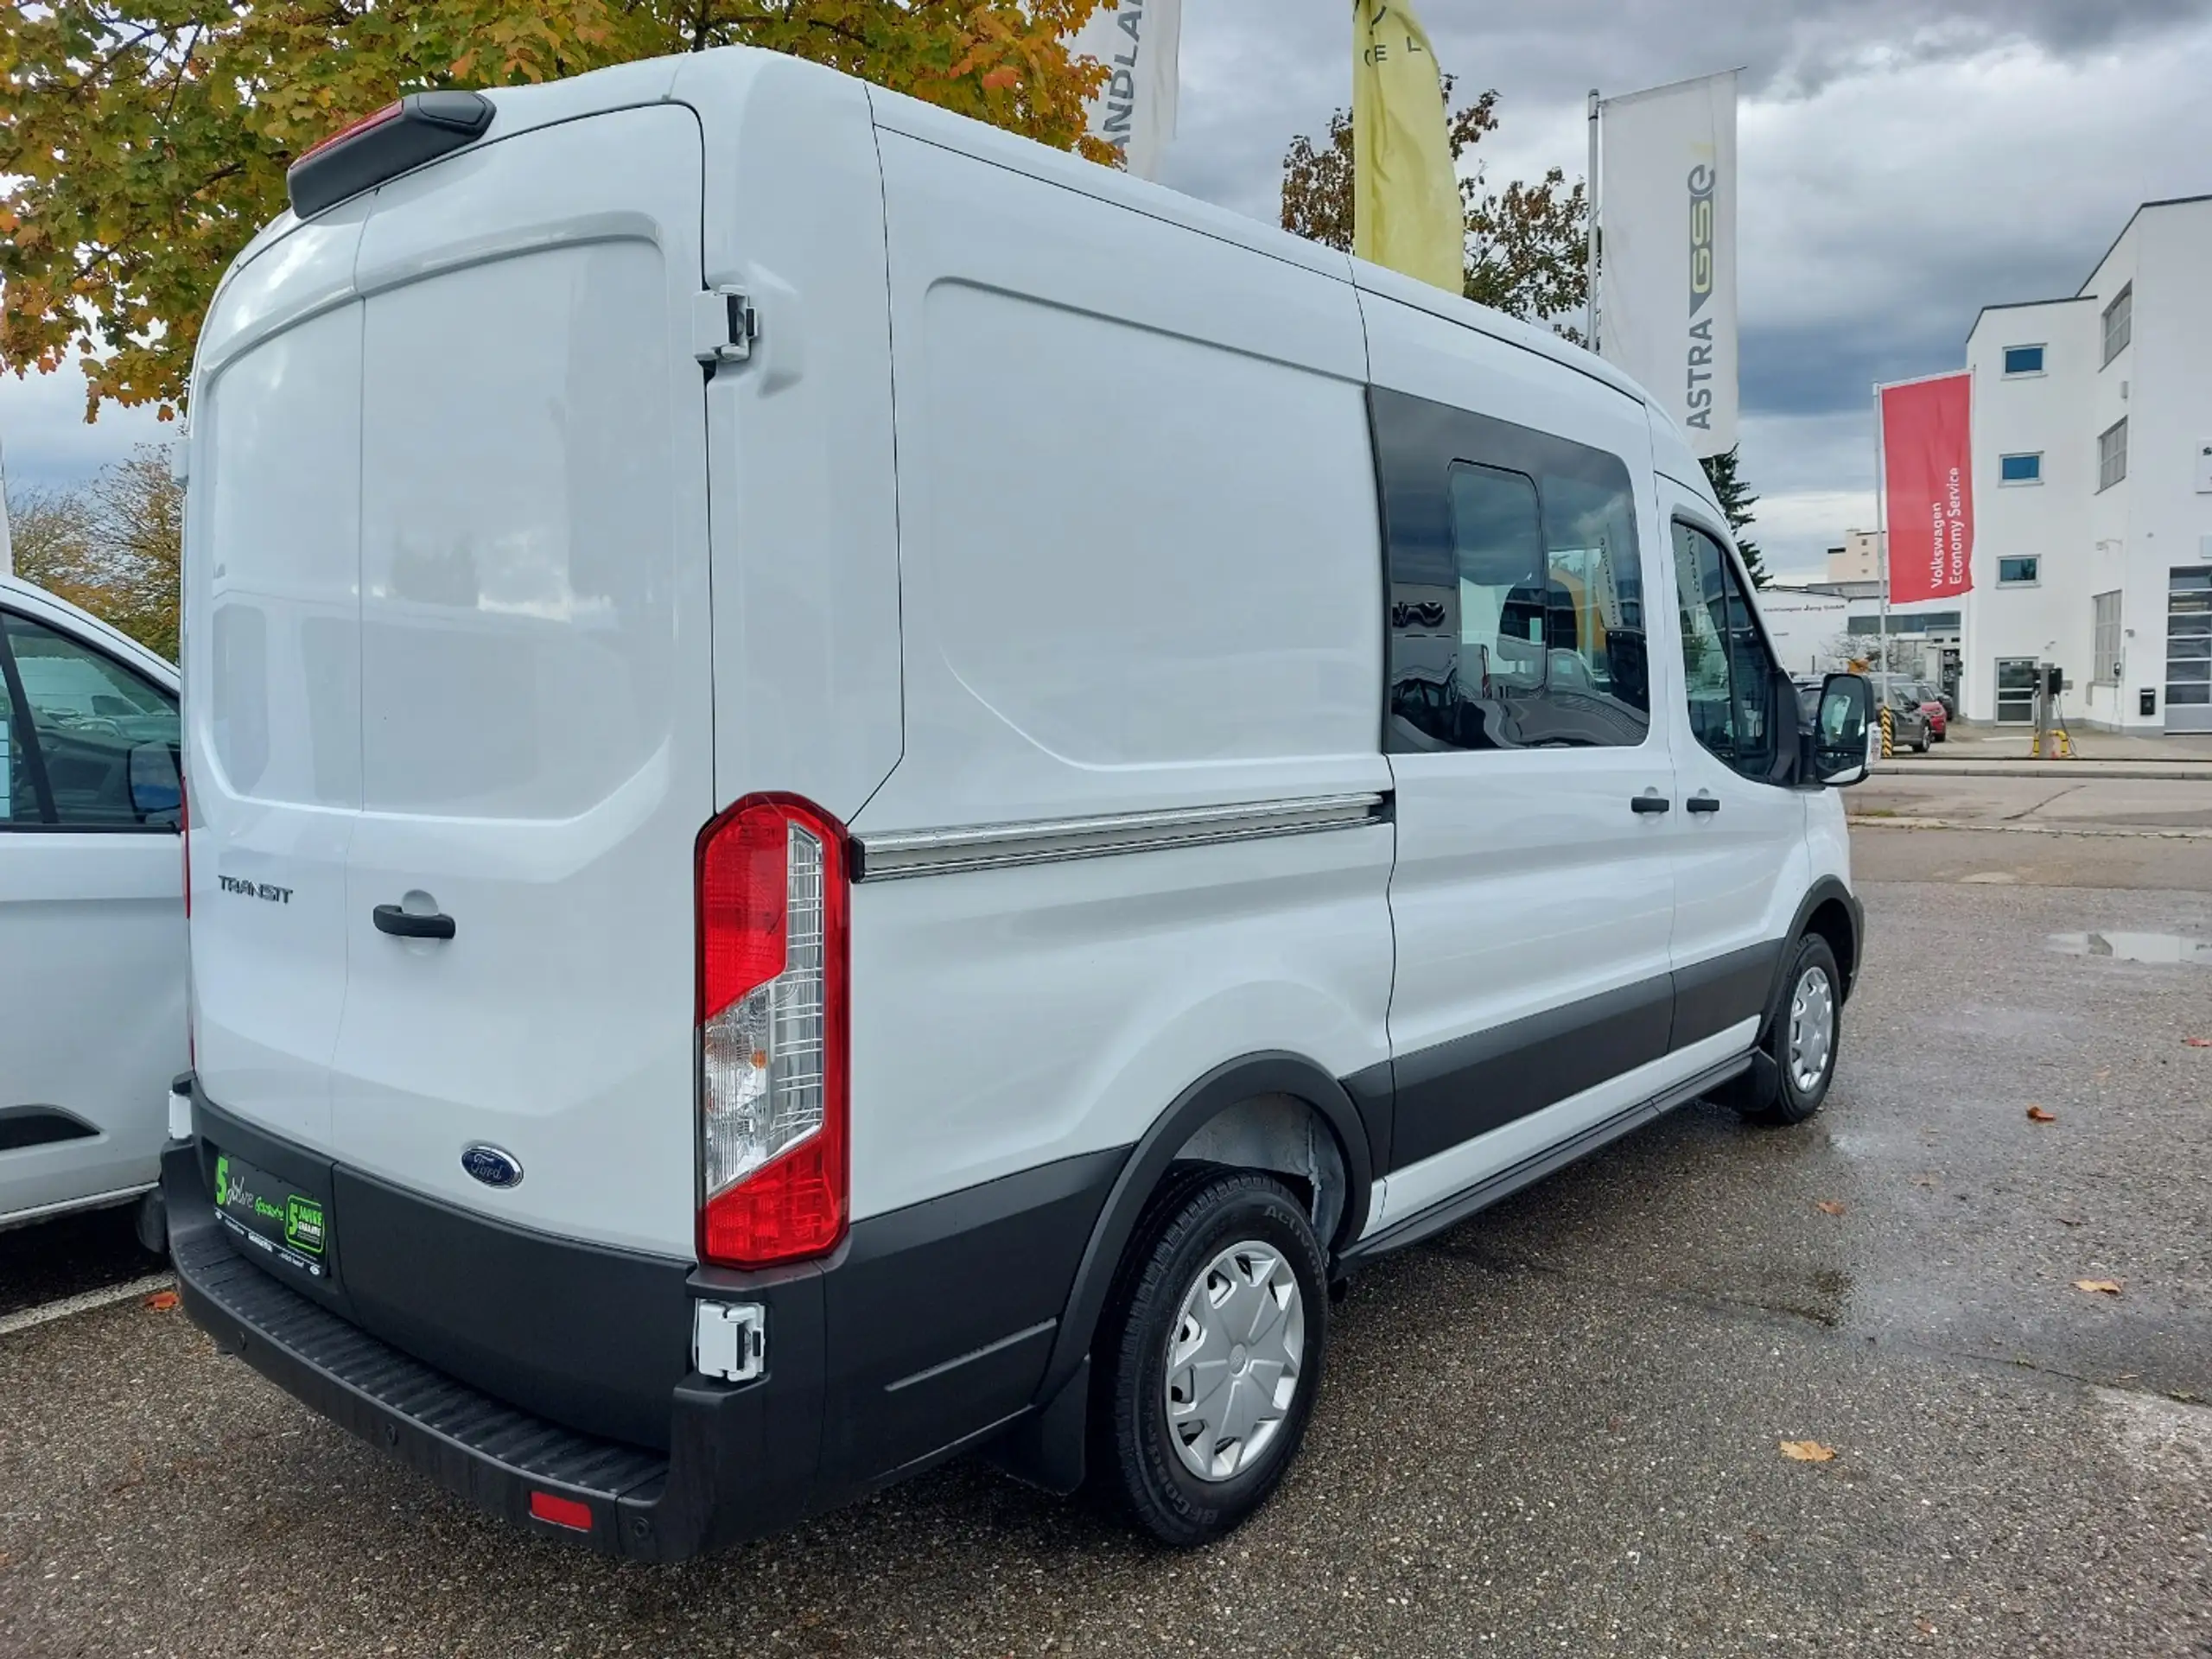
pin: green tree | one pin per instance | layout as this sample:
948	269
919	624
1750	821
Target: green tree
112	547
1526	253
142	142
1737	501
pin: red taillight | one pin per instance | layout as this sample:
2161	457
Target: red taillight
569	1512
390	113
773	1024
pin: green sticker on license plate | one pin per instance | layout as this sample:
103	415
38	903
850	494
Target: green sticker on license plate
272	1215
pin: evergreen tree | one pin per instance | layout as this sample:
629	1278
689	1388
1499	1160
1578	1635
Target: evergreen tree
1737	502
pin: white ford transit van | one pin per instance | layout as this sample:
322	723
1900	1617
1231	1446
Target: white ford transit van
857	790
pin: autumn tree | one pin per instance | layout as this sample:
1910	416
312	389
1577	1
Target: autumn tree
142	142
1526	253
1737	501
112	547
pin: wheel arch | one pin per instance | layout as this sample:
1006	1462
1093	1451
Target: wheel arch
1235	1108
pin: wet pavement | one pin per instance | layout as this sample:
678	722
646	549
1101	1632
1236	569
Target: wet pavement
1555	1429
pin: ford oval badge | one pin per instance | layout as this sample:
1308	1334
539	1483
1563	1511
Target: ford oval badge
491	1167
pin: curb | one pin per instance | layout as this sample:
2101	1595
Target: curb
1857	821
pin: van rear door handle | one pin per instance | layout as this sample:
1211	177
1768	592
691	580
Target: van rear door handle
1702	802
1652	802
404	924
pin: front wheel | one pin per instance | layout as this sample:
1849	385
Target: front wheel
1804	1039
1213	1350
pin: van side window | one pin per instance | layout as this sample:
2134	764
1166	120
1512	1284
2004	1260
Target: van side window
1516	597
1726	669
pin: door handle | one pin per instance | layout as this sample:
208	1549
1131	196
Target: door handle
1702	802
403	924
1650	802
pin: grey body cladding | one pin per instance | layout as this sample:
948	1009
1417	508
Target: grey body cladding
1440	1098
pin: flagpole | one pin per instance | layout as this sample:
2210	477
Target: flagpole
1589	238
1882	541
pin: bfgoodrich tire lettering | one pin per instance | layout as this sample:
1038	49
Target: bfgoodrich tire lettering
1244	1235
1804	1039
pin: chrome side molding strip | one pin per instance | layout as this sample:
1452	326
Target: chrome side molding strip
886	857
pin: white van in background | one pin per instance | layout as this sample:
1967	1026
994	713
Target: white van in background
859	790
91	912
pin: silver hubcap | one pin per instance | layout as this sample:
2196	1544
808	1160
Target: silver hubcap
1234	1359
1811	1029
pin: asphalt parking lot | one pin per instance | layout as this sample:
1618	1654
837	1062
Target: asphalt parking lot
1557	1429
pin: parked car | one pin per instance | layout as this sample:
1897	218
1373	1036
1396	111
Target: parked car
729	969
1911	724
1935	705
91	911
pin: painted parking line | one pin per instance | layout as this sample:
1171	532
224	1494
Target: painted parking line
85	1303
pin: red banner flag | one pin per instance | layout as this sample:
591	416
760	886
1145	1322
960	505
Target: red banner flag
1927	460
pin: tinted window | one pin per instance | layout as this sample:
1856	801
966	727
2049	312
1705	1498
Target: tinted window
2023	359
2015	570
87	715
1727	670
1517	613
2020	470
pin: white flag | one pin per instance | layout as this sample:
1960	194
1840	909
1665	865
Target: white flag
1667	264
1139	42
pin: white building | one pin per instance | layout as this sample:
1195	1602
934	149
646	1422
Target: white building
2093	487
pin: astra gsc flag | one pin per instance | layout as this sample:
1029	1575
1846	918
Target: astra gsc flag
1667	250
1406	208
1139	42
1928	468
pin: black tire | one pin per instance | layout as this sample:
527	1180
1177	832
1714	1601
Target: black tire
1772	1092
1921	747
1198	1215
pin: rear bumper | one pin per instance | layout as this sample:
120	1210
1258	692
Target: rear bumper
741	1460
503	1363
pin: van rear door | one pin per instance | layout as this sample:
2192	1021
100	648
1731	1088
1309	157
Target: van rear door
535	682
272	648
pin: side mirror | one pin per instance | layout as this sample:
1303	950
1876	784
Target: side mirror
156	795
1840	729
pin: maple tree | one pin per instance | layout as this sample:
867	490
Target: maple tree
1526	253
144	142
113	546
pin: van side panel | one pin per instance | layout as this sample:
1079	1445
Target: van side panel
1142	572
805	549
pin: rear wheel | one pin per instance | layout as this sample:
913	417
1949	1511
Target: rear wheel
1804	1042
1212	1348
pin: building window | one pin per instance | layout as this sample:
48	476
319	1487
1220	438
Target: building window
2120	323
2112	455
2104	664
2016	690
2023	360
1902	622
2015	573
2020	470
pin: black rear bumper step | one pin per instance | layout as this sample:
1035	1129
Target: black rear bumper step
474	1446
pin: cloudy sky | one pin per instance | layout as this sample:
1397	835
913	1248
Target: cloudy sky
1905	162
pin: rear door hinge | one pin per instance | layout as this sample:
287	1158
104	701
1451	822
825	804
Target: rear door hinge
723	326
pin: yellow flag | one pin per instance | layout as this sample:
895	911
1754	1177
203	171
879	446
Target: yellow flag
1406	210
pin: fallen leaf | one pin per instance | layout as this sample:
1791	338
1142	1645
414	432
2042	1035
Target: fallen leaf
2069	1221
2099	1287
1807	1451
2037	1115
161	1301
2198	1042
1923	1627
1828	1206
